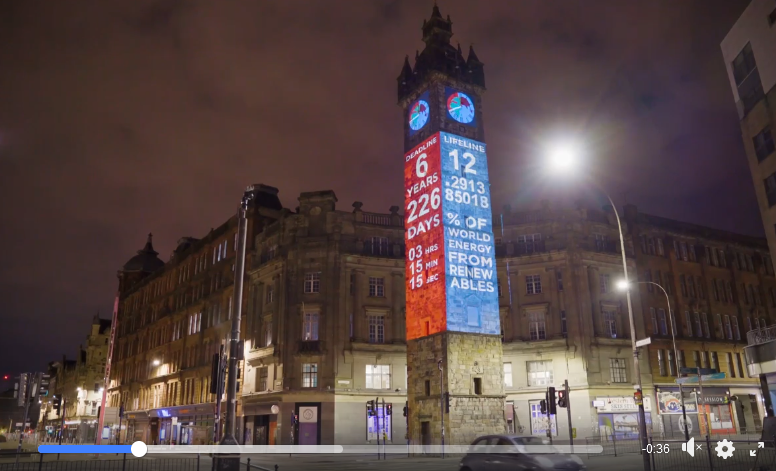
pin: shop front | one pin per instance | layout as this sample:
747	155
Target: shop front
672	421
182	425
261	421
747	410
137	426
618	416
716	411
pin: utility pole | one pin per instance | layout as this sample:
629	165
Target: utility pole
30	393
442	403
567	399
231	462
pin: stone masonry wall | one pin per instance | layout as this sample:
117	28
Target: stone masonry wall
465	357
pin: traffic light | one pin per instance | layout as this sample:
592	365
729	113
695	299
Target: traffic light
295	418
57	404
562	399
551	404
447	402
543	407
388	409
371	411
406	409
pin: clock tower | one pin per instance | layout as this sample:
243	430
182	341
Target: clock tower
454	354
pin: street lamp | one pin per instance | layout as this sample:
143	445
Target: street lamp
564	158
156	363
624	286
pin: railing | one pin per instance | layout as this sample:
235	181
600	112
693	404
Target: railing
379	219
42	462
760	336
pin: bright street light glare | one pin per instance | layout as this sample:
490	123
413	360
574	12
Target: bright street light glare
563	157
623	285
156	362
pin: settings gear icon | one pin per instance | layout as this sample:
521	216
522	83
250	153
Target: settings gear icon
725	449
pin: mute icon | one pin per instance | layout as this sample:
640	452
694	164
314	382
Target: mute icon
689	447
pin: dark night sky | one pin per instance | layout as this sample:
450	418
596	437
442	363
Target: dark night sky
122	117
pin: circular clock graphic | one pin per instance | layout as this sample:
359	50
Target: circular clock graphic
461	107
418	114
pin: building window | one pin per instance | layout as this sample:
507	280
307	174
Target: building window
748	323
698	325
618	372
740	365
763	144
427	388
378	377
312	282
714	361
379	246
310	327
730	365
310	375
610	323
477	386
728	327
533	284
705	359
706	325
508	375
688	324
691	286
660	249
376	287
671	363
563	327
648	279
537	326
736	329
270	294
261	382
529	243
770	188
653	316
696	358
663	323
267	333
376	329
714	290
603	282
683	285
747	77
661	361
539	372
601	242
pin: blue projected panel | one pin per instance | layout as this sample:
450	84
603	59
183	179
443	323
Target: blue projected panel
68	449
470	261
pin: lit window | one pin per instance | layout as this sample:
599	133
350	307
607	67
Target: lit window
310	327
610	323
618	370
378	377
508	375
537	326
310	375
376	329
539	373
603	281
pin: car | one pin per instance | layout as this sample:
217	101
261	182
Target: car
517	453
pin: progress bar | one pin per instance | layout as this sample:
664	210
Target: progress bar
141	449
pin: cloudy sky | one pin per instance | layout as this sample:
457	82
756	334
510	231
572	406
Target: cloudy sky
119	118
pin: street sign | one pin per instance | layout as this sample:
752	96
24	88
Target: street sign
694	379
687	370
707	371
644	342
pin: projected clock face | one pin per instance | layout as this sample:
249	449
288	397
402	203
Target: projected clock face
418	114
460	107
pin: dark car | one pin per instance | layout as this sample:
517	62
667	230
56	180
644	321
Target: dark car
516	453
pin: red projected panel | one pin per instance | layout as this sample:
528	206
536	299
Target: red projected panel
424	238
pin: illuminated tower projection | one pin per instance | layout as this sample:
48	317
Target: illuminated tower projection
454	357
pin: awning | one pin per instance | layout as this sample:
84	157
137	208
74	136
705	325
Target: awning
259	409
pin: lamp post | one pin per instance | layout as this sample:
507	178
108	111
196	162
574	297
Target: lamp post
625	286
564	158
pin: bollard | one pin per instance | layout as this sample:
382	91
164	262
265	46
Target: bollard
276	467
249	465
197	461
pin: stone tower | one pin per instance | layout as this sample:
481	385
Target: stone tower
454	356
